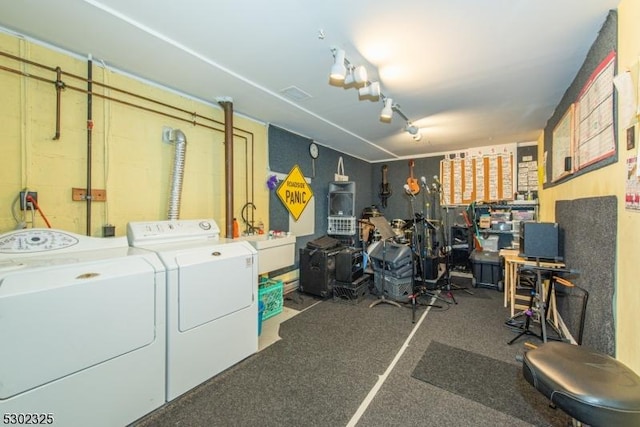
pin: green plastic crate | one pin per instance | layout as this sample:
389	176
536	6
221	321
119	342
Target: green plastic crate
270	292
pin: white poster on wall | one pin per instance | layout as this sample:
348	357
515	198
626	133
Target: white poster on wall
305	225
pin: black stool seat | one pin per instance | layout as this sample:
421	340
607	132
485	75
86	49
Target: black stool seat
591	387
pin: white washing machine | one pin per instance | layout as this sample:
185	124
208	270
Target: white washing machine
82	323
212	298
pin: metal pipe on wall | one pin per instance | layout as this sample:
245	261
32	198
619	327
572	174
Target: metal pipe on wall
89	140
193	115
59	87
227	106
225	102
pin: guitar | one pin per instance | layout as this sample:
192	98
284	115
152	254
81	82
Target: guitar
411	181
385	188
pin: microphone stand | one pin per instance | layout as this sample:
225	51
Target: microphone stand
416	247
448	253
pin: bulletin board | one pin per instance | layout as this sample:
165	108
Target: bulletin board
594	116
582	130
486	178
563	144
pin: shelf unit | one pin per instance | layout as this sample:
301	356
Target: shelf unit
504	220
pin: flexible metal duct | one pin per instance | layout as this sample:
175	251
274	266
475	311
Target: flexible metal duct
180	141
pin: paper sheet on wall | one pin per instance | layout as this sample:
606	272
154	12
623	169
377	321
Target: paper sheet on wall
457	181
445	179
627	102
480	188
468	191
506	182
493	178
632	185
594	116
305	225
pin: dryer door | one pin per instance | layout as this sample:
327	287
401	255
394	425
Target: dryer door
213	282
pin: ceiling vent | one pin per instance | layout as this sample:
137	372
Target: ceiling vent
295	94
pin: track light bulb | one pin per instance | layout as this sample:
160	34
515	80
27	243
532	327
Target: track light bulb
387	111
338	70
371	92
356	77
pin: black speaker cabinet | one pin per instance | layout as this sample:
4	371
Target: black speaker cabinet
430	267
342	198
349	265
540	240
318	271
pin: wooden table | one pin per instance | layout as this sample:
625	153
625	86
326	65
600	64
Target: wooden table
512	264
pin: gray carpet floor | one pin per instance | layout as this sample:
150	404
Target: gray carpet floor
449	368
340	362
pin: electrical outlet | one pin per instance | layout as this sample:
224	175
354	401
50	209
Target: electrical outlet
24	204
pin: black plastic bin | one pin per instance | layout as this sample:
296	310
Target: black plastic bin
487	271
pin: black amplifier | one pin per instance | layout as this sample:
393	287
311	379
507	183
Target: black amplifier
540	240
349	265
318	271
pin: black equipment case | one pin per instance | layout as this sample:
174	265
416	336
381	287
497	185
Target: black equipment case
349	265
318	271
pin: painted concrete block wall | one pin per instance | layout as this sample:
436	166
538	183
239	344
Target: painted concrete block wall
129	159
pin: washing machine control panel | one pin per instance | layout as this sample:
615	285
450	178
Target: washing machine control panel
140	233
35	241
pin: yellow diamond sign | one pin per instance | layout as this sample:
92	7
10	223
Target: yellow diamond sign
294	192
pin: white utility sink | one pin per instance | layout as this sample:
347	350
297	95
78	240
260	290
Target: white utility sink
273	252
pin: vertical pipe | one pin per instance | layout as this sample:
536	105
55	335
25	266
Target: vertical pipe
89	141
59	86
227	106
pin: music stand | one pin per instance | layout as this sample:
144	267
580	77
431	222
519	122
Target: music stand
540	304
386	233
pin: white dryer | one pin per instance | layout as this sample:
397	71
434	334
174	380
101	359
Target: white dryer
212	293
82	323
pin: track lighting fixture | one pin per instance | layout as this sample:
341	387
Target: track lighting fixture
387	110
413	131
356	76
370	92
344	74
338	69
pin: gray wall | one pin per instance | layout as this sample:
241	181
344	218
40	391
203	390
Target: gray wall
287	149
399	204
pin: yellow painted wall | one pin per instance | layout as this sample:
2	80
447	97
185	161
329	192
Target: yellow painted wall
611	181
130	161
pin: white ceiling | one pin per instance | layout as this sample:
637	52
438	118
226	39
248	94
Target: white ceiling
468	73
